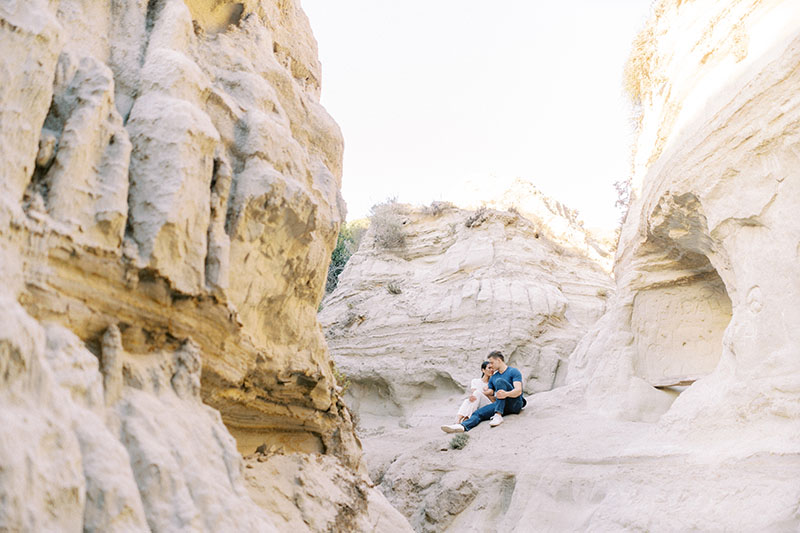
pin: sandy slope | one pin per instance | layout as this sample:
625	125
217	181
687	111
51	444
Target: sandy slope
558	467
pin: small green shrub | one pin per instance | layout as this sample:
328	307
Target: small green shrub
350	235
342	380
393	288
459	441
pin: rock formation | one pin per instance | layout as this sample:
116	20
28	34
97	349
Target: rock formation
169	198
681	408
561	223
409	325
707	275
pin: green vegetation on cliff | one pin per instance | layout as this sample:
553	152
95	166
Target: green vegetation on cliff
350	235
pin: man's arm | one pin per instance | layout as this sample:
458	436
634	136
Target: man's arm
489	393
501	394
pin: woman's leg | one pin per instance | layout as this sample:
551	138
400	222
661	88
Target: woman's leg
466	409
483	400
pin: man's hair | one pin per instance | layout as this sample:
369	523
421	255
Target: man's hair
497	355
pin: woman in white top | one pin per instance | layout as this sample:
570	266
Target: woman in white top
477	398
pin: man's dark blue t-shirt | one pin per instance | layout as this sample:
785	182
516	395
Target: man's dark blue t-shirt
511	375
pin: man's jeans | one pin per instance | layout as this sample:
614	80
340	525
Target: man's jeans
508	406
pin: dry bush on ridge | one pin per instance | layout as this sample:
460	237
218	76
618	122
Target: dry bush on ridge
477	218
436	208
388	221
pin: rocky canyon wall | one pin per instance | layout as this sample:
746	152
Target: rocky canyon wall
409	324
681	407
707	268
169	198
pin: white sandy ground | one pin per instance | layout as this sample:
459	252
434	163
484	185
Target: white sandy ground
561	468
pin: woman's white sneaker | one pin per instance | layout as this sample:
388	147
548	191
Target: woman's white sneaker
453	428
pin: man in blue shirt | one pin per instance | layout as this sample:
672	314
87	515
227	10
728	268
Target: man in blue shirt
505	386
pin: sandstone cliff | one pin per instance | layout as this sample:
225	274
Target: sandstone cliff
169	198
409	325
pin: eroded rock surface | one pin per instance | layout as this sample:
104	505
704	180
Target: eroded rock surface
169	198
410	325
707	269
706	300
557	467
311	492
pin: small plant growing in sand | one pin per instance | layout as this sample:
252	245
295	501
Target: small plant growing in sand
393	288
352	318
341	380
602	292
459	441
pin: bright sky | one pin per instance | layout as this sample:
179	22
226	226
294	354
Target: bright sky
433	94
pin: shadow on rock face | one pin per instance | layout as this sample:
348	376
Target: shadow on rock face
215	16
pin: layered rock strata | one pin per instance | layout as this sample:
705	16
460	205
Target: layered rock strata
169	198
409	325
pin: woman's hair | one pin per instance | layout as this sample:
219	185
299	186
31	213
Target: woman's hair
483	366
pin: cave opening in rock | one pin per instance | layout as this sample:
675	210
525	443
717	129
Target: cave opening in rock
682	308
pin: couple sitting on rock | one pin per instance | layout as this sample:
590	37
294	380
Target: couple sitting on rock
496	393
